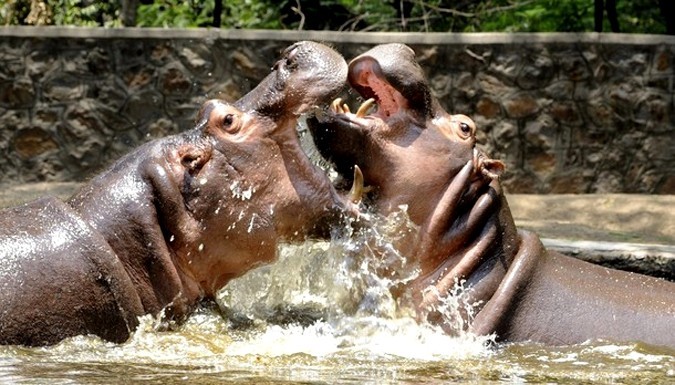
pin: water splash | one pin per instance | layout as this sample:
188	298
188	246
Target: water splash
329	298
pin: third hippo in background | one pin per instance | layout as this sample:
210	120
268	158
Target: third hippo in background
414	154
169	224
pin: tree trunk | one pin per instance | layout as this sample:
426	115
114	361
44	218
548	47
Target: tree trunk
217	13
128	15
668	12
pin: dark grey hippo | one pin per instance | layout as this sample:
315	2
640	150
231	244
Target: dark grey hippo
411	152
169	224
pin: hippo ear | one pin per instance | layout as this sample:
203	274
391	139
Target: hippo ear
193	158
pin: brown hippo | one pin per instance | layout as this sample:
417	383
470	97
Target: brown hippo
172	222
414	153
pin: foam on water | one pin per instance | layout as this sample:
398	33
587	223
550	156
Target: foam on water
328	298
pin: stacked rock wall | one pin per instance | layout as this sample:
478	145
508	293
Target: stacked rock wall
568	113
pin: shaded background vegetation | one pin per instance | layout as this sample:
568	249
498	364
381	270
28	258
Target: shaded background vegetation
633	16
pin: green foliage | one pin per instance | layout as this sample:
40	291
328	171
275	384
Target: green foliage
635	16
639	16
85	13
261	14
13	12
90	13
175	14
543	15
376	15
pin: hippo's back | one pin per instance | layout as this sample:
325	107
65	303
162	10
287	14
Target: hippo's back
58	278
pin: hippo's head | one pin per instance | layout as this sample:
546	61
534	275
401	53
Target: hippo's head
250	183
409	148
413	153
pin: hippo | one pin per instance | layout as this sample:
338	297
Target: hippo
169	224
411	153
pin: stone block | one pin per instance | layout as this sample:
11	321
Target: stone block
521	105
565	112
492	85
667	185
537	72
31	142
506	65
63	88
569	181
572	65
143	107
630	61
173	80
196	57
488	107
16	94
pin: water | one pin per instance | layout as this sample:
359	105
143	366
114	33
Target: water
323	314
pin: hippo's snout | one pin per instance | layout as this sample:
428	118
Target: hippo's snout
485	167
307	74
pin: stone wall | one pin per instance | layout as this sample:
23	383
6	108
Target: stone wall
568	113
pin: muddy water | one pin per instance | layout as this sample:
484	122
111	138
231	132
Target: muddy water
320	315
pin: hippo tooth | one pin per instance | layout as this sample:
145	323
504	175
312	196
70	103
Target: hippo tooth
356	192
336	105
365	107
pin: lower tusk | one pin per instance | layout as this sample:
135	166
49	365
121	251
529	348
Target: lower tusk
356	193
365	107
338	107
335	105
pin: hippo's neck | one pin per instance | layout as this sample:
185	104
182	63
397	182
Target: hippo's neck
317	198
122	207
488	264
506	269
499	302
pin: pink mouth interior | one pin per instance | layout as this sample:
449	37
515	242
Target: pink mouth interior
389	100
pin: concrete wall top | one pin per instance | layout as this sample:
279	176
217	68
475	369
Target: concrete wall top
345	37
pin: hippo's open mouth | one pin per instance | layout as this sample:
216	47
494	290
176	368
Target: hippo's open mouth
383	105
382	100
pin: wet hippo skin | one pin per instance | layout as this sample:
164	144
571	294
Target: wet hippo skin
413	153
169	224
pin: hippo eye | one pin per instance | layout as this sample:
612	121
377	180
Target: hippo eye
464	125
229	123
228	119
